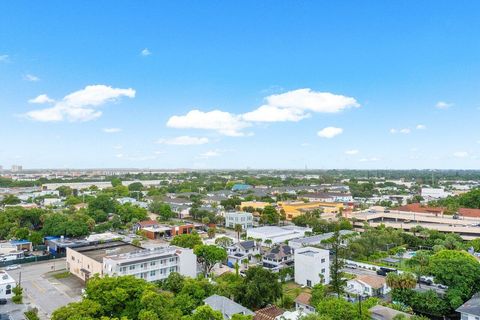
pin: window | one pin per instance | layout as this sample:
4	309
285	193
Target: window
152	273
8	289
323	260
152	263
132	267
309	283
123	269
323	270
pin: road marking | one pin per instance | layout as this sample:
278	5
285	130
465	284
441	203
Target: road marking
38	287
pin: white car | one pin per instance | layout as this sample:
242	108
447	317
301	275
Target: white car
13	267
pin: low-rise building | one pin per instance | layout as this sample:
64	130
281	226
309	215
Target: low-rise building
278	257
318	239
368	286
241	251
302	303
294	209
120	258
227	307
380	312
245	219
470	310
270	235
7	283
312	266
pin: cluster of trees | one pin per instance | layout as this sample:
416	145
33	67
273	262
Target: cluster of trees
174	298
469	199
312	219
103	213
457	269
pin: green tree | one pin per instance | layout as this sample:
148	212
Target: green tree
162	209
337	278
269	215
260	288
116	182
204	313
459	271
238	229
84	309
187	240
208	256
10	199
135	186
224	242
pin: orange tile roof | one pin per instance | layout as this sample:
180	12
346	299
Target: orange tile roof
419	208
268	313
467	212
304	298
375	282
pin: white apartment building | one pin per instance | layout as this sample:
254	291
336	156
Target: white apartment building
312	266
245	219
118	258
7	283
152	265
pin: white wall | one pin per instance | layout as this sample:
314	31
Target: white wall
187	263
309	266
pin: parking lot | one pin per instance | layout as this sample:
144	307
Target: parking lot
42	290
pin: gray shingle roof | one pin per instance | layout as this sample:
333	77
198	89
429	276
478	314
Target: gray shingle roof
472	306
226	306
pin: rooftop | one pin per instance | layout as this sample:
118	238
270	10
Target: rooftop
101	250
472	306
226	306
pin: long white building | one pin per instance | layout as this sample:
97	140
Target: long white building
277	234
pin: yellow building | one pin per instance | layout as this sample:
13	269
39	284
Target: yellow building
295	209
255	204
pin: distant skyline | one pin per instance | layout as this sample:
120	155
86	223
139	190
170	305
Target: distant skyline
204	85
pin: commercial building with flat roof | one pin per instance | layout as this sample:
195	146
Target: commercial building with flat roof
277	234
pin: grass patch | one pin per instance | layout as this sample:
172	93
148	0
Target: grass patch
32	315
62	275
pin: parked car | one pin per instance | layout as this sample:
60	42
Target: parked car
386	211
442	286
350	266
425	280
383	271
13	267
3	301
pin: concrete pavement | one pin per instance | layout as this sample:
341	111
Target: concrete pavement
42	290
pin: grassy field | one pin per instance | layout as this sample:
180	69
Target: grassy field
62	275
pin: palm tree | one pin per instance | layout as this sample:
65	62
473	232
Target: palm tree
238	229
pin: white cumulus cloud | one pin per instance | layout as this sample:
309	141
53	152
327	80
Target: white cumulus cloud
31	78
352	152
329	132
294	105
41	99
223	122
111	130
371	159
145	52
79	105
291	106
183	140
421	127
460	154
403	131
443	105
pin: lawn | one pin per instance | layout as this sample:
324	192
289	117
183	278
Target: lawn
62	275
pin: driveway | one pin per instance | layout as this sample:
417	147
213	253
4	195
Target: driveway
42	290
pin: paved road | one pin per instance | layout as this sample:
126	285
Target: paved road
43	291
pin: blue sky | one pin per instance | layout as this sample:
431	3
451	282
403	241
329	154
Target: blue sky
275	84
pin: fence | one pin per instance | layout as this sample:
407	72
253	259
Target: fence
31	259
